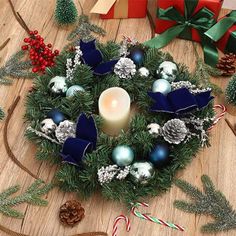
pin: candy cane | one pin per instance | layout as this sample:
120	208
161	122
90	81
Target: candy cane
153	219
220	116
115	225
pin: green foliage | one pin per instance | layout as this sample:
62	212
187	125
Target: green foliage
84	30
1	114
15	67
231	91
84	180
31	196
65	12
210	202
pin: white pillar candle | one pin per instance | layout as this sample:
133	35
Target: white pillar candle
114	108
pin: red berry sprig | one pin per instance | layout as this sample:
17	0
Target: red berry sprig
40	54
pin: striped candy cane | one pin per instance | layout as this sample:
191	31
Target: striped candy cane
151	218
115	225
220	116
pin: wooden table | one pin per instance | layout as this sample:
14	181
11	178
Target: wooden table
218	161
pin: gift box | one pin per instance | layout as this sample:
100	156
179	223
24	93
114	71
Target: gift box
192	15
112	9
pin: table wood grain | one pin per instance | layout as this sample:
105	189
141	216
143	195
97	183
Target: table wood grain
218	161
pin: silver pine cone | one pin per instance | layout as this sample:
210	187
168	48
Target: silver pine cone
174	131
125	68
65	129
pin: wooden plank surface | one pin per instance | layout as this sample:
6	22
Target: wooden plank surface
218	161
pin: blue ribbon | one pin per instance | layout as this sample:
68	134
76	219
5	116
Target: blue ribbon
74	149
179	101
94	58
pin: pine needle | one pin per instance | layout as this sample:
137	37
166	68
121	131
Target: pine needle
31	196
1	114
210	202
15	67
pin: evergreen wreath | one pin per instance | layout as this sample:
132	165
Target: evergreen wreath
142	134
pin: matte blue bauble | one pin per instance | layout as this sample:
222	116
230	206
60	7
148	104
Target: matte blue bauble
74	89
137	56
123	155
160	156
162	86
56	116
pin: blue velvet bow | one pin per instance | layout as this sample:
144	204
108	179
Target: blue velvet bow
74	149
179	101
94	58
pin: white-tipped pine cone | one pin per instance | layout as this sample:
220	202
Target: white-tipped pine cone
64	130
125	68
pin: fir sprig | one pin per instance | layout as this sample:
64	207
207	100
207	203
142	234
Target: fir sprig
2	114
210	202
230	92
84	29
15	67
31	196
204	72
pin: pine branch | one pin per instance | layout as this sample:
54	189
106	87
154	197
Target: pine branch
15	68
210	202
31	196
1	114
85	29
204	72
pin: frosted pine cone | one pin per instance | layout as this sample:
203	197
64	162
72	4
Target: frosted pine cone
125	68
174	131
65	129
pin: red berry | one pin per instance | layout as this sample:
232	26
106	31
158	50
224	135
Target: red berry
31	33
32	57
43	67
38	37
24	47
35	69
49	45
26	40
36	32
56	52
33	63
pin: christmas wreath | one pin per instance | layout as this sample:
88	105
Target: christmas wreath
118	118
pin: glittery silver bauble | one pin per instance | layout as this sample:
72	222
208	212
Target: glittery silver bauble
58	84
48	126
125	68
73	90
64	130
142	171
144	72
162	86
154	129
123	155
167	70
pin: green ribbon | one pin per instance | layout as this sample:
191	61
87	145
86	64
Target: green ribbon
201	21
218	30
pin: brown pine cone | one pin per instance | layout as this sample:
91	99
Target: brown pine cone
227	64
71	213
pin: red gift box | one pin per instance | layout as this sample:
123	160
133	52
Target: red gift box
121	8
163	25
228	42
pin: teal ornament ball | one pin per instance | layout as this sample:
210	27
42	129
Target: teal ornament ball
142	171
123	155
161	86
73	90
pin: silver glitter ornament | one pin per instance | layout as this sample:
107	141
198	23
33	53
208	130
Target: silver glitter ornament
125	68
142	172
64	130
144	72
167	70
174	131
58	84
154	129
48	126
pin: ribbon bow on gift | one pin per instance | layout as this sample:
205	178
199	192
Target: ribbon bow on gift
201	21
94	58
74	149
218	30
179	101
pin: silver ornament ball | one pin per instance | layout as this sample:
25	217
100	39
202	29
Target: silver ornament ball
143	72
162	86
73	90
168	70
142	172
48	126
123	155
58	84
